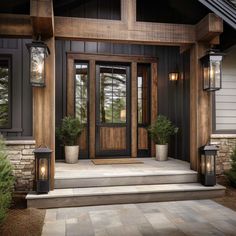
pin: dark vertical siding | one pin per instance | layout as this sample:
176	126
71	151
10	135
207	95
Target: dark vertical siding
21	92
98	9
173	99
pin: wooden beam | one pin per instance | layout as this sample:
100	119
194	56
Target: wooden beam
125	31
41	12
44	109
117	31
15	25
209	27
134	98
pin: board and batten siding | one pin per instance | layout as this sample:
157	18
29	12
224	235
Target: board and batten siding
21	90
225	99
173	98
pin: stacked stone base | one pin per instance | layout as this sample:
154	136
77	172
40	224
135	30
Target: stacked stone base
20	154
226	143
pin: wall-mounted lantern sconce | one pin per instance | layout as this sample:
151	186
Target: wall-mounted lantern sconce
38	51
173	76
212	71
208	164
42	169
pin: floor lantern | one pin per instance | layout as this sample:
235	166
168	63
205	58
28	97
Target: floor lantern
208	164
42	169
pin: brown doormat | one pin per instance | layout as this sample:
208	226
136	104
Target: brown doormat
116	161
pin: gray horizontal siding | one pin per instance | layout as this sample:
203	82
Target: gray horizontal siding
225	99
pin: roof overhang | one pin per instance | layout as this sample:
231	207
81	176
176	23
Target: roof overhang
223	8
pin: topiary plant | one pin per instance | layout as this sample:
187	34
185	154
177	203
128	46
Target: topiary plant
231	174
161	130
6	181
70	130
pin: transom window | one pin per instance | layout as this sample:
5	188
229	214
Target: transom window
5	119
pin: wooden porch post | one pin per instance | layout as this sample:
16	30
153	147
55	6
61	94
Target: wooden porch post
42	19
200	106
44	109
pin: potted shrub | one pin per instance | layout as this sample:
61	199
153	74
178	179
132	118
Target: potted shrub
68	133
160	132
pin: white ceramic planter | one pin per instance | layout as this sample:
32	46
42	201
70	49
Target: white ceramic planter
161	152
71	154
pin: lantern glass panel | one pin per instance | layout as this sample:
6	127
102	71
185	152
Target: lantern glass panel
210	164
43	169
206	76
202	164
37	64
215	73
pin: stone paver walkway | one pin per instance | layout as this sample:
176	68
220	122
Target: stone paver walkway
201	218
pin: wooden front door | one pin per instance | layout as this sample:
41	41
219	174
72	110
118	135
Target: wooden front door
112	110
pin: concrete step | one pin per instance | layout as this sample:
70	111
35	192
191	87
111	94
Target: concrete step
122	194
116	179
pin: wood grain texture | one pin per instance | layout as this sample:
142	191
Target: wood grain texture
44	109
142	138
118	31
209	27
154	99
82	140
112	138
134	97
92	111
42	18
200	102
127	30
70	87
112	58
15	25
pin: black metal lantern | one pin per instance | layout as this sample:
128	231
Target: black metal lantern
42	169
212	71
38	52
208	164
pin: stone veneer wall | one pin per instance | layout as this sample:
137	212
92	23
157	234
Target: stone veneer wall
20	154
226	143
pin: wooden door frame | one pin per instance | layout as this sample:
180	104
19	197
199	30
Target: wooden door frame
133	61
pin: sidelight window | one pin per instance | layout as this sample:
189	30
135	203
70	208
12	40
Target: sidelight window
81	93
143	94
5	119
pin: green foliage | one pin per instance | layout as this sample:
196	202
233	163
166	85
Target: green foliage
6	181
231	174
4	90
161	130
70	130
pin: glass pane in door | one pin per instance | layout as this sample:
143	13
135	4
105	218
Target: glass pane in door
112	94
